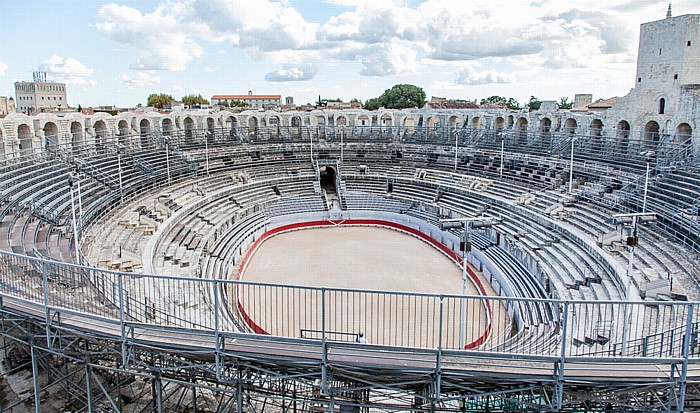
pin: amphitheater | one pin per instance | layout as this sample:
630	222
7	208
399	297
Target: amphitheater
154	261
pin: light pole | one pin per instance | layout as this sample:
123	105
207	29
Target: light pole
342	133
206	150
167	159
75	222
465	246
630	222
120	148
571	165
503	143
456	132
647	155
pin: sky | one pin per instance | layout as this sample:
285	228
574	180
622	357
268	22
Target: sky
118	52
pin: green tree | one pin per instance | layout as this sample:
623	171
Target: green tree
534	104
398	97
500	100
158	100
565	104
190	100
513	104
237	104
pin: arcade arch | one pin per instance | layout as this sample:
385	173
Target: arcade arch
24	133
684	133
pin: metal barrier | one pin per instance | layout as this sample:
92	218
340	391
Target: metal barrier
591	329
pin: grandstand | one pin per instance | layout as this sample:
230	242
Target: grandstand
122	248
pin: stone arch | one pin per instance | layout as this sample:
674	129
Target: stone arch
341	121
363	120
100	132
651	131
167	126
510	122
570	126
386	120
253	122
596	127
24	134
50	135
521	128
76	132
3	153
231	125
684	133
476	122
320	120
499	124
296	121
189	126
623	135
453	122
123	127
144	131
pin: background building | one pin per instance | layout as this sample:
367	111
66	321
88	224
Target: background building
253	101
7	105
36	96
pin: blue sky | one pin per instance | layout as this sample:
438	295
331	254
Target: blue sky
118	52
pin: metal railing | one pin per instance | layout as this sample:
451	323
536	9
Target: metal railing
590	329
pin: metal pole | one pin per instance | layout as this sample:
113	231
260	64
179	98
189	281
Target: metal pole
80	199
463	315
75	222
456	148
167	161
646	189
35	377
311	140
571	166
88	385
628	296
342	134
121	188
206	151
503	142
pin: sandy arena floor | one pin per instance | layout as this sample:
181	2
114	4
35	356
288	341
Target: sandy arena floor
368	258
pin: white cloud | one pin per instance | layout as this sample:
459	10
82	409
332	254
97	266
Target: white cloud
140	78
470	76
293	73
163	37
3	68
389	59
67	70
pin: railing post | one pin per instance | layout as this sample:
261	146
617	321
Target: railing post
122	326
686	354
438	366
562	357
216	331
47	315
324	352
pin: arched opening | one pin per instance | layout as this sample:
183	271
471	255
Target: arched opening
167	126
596	131
211	131
684	133
144	132
570	126
546	131
623	136
662	106
341	121
651	131
521	128
476	122
51	136
386	120
499	124
24	133
252	126
510	122
231	125
363	120
3	155
76	131
328	176
188	123
100	132
452	122
123	127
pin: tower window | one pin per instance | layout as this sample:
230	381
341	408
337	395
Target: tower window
675	77
688	42
662	106
639	80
